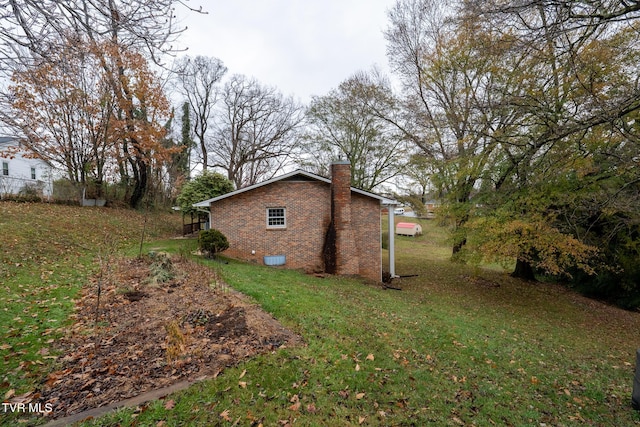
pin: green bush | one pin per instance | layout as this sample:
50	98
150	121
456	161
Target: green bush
205	186
212	242
618	278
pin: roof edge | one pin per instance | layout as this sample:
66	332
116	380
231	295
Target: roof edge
205	203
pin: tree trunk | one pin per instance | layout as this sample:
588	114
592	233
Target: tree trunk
523	270
140	183
457	247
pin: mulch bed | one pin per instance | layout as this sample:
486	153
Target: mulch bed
160	321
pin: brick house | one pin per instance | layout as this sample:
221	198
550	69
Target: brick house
304	221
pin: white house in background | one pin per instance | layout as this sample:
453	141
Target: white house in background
20	173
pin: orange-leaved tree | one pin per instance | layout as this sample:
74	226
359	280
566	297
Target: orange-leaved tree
97	111
141	109
62	109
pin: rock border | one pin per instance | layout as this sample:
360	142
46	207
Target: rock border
133	401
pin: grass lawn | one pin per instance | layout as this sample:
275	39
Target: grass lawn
456	346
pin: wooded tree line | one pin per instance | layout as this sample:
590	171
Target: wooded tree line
89	89
527	112
520	116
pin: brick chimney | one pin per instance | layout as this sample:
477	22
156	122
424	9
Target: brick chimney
341	256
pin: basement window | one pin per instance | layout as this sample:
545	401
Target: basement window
276	218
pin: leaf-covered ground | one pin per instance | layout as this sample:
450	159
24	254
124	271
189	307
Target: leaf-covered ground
457	345
47	254
160	320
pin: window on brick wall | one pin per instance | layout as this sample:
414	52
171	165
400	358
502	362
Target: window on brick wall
276	217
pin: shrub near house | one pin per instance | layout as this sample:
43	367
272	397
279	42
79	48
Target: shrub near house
212	242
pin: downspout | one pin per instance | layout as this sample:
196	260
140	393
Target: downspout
392	245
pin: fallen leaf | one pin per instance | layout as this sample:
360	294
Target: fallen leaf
24	398
370	357
170	404
9	394
225	415
243	374
296	403
311	408
357	367
295	407
359	396
242	384
361	420
458	421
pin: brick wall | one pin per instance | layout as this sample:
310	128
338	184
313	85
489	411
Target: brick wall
347	260
366	224
243	219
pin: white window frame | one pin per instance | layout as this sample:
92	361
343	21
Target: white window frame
5	168
273	221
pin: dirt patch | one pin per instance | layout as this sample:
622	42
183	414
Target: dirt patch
160	321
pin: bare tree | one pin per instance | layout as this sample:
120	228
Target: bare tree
255	131
556	34
198	83
115	29
64	109
347	123
576	14
38	26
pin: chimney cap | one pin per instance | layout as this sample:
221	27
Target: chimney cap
341	162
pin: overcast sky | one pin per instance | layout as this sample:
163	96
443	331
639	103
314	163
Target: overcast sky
302	47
